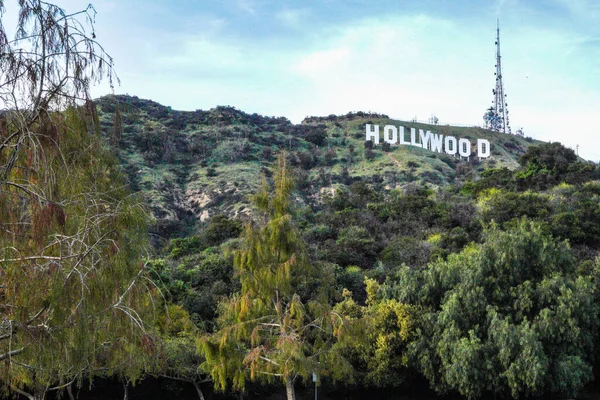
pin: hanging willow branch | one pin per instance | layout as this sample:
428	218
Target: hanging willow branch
50	64
73	292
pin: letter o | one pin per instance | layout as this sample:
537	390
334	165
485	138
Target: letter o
464	148
386	134
450	149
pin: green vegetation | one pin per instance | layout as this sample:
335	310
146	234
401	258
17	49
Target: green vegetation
509	316
380	270
484	287
270	330
74	291
192	166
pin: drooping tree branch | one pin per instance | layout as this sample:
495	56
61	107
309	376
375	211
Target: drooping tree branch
73	291
11	353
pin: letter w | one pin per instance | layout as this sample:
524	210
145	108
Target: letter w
425	138
436	142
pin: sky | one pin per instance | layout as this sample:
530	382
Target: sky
404	58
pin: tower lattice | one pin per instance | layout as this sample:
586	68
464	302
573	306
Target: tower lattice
496	117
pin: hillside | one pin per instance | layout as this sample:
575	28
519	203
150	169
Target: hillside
422	253
194	165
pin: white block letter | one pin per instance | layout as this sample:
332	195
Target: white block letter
394	134
464	148
413	137
425	138
373	134
450	149
436	142
483	148
402	137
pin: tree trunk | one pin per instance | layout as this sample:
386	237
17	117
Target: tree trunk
198	390
289	388
126	390
70	392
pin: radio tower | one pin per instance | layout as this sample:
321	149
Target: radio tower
496	117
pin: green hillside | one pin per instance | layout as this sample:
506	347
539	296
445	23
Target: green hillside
194	165
282	260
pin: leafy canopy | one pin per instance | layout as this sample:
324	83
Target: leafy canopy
510	316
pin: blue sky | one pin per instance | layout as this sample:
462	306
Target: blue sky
403	58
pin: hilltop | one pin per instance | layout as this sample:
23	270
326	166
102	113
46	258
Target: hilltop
193	165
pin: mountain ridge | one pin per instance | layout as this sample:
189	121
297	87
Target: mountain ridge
193	165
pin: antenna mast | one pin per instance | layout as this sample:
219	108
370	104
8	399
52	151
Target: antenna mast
496	117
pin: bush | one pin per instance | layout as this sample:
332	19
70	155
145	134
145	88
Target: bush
513	307
221	228
210	171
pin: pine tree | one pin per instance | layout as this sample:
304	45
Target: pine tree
268	331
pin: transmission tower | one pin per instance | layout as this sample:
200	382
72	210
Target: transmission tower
496	117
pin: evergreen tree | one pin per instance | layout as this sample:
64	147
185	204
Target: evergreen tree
269	330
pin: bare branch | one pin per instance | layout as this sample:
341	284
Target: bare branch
11	353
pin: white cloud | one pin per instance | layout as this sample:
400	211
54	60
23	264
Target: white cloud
292	18
322	62
247	6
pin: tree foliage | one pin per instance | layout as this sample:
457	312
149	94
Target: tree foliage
73	293
73	280
268	331
377	337
549	164
510	316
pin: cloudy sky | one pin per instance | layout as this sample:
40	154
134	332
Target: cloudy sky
403	58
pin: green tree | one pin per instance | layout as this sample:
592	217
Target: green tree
503	206
510	316
377	337
406	250
73	293
178	355
545	165
269	331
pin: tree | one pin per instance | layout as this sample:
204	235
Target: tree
498	178
73	297
178	353
271	329
378	336
502	206
544	166
510	317
353	246
406	250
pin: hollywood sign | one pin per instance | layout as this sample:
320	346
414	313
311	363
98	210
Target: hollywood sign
428	140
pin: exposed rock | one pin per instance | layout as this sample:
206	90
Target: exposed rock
197	200
205	216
